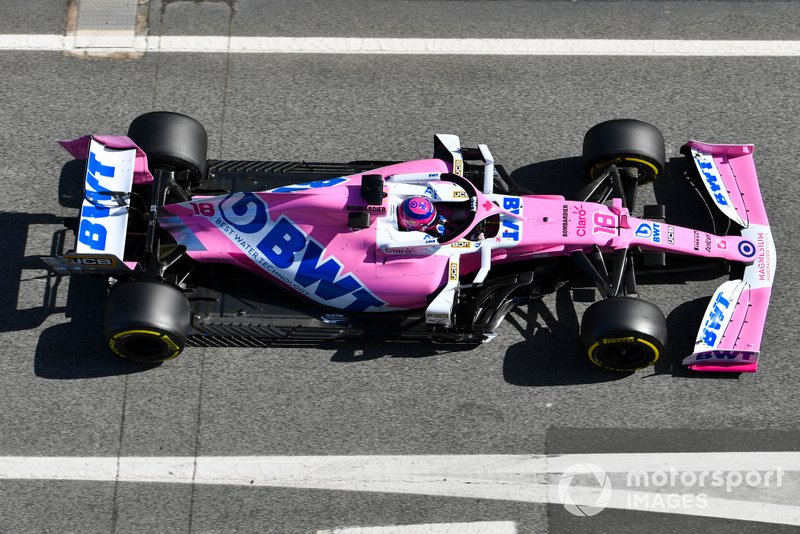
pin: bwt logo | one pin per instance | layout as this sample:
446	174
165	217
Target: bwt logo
712	178
713	323
651	231
726	355
94	234
285	251
511	227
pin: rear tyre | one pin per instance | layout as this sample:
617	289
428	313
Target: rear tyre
623	333
629	144
146	321
173	142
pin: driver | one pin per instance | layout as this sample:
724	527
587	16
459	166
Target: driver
419	213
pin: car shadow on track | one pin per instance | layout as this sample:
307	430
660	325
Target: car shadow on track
682	326
364	350
552	353
76	349
67	350
563	176
18	268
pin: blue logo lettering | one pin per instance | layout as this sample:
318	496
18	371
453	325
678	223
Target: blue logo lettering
310	185
713	322
95	169
310	271
95	212
511	226
644	231
280	244
724	355
656	233
92	235
240	209
706	168
651	231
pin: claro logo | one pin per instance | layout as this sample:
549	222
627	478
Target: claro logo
580	213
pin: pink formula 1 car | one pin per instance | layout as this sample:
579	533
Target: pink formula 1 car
215	253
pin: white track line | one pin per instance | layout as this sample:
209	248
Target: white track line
519	478
369	45
480	527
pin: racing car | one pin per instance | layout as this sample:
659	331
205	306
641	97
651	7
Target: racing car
226	253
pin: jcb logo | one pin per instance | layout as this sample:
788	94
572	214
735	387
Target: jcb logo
453	270
101	262
458	167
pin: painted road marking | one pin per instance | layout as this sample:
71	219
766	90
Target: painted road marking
106	24
480	527
640	481
359	45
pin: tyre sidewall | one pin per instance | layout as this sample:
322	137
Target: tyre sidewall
625	142
616	321
172	141
146	321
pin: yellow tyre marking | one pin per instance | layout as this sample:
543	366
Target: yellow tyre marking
608	341
173	347
618	160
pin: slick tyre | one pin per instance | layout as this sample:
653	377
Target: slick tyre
623	333
172	142
629	144
146	321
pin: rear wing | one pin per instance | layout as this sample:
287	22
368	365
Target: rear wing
102	228
729	338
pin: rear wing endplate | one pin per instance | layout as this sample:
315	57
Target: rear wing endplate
102	228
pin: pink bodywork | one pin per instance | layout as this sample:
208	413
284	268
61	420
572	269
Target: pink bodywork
79	147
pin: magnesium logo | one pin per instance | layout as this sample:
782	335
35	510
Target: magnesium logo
582	500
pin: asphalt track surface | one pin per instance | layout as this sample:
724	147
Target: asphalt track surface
530	391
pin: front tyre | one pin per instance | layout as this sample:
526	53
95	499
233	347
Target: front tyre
623	333
146	321
627	143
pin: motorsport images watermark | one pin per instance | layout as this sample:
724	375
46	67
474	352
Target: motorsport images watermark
585	489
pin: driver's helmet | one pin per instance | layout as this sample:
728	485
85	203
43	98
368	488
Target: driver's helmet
416	213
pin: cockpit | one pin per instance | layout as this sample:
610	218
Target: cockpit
443	207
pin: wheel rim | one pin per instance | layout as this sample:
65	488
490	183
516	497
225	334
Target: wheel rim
649	170
623	354
144	345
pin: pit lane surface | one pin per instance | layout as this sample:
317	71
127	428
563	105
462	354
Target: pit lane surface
530	391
